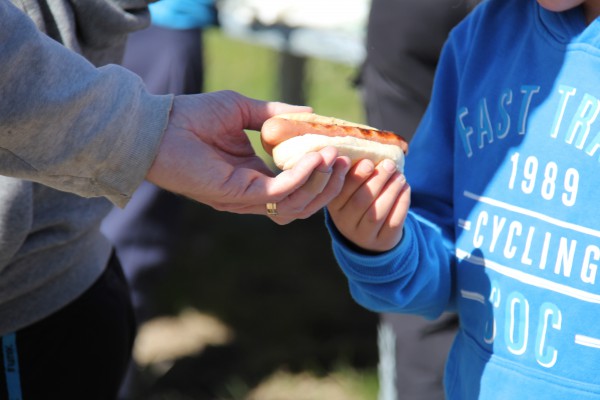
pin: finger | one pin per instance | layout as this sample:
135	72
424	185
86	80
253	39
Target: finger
373	224
259	111
336	179
400	208
391	231
356	205
314	195
385	200
317	182
355	178
321	175
262	189
288	181
293	181
364	196
297	201
330	191
275	108
370	227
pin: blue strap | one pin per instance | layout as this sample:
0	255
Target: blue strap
11	366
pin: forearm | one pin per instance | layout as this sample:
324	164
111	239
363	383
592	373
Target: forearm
69	125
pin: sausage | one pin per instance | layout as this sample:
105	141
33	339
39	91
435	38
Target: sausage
283	127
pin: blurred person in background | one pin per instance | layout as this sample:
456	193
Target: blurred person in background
404	40
168	56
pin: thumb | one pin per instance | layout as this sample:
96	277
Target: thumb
259	111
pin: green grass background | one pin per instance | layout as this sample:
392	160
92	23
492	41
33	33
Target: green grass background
252	70
277	287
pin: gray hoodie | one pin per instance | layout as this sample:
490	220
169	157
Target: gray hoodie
73	139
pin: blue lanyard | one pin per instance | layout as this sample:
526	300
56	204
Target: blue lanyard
11	366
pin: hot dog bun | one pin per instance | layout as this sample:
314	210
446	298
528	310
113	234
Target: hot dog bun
287	137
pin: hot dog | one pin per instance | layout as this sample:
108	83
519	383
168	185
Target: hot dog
287	137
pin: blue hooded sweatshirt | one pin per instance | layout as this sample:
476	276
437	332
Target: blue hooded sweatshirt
504	226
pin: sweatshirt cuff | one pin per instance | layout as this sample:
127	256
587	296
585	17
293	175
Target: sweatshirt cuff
132	160
363	266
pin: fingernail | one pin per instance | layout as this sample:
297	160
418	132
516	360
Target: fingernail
344	162
402	179
367	167
389	165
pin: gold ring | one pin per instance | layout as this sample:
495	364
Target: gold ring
272	209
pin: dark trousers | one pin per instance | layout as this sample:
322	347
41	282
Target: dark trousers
79	352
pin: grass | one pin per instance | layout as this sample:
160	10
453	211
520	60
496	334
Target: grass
277	288
252	70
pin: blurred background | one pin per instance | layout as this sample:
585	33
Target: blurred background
249	309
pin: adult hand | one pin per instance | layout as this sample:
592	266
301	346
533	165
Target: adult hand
206	155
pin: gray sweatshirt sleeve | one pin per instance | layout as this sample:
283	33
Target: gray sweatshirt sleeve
69	125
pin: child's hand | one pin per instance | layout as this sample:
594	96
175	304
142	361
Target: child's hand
372	206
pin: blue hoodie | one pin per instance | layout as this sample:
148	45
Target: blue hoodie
503	228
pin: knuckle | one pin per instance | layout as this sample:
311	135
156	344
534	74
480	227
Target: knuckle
295	209
371	216
360	202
